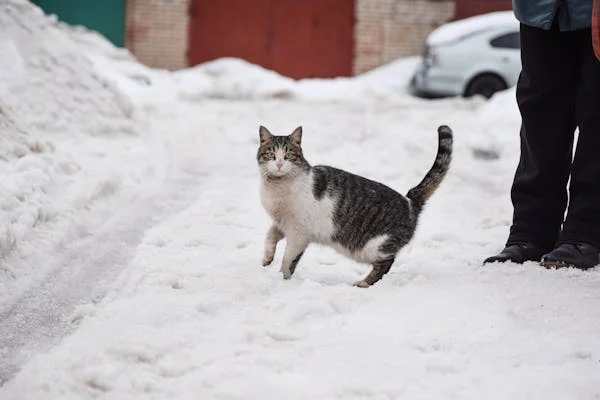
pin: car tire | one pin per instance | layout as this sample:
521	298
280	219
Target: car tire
485	85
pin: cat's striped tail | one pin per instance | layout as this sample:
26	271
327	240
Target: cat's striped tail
420	193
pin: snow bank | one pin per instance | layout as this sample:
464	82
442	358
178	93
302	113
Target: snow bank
235	79
231	78
457	29
48	84
144	86
387	82
69	137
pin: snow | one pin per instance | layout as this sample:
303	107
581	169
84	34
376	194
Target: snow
457	29
236	79
497	121
71	143
131	265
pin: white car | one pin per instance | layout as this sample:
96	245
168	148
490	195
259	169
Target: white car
474	56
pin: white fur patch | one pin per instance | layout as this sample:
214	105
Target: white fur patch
271	165
292	205
368	254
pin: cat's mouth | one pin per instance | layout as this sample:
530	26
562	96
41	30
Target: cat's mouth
277	173
269	173
277	170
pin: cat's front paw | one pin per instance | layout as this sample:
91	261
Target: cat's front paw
267	260
361	284
287	274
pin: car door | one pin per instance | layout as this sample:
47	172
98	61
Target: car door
505	48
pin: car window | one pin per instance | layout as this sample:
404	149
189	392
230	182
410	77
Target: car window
507	41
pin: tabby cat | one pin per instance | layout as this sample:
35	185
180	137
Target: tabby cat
363	219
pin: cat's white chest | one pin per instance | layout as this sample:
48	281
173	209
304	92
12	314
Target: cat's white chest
294	209
276	199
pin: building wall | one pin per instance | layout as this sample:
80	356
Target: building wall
157	32
388	29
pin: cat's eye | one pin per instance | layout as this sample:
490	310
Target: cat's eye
291	157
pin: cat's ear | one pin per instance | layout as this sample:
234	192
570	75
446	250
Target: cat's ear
265	135
296	136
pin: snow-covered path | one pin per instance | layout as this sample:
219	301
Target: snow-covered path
79	262
193	315
131	238
80	274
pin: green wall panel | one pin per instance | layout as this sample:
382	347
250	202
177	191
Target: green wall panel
104	16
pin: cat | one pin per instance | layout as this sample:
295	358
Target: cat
362	219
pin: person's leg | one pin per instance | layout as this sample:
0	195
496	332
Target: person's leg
546	94
582	224
579	242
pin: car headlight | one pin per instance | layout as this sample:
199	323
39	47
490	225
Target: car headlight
431	57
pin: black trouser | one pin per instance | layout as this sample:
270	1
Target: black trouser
558	90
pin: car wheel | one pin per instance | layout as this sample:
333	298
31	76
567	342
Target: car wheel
485	85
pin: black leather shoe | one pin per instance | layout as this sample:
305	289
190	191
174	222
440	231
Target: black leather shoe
518	253
575	255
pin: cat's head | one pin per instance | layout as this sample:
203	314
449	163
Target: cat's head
280	156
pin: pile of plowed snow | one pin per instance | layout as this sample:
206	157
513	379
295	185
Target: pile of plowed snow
230	78
70	138
47	82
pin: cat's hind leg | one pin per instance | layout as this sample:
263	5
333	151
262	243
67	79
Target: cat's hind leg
380	268
274	235
293	252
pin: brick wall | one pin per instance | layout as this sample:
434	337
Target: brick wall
388	29
157	32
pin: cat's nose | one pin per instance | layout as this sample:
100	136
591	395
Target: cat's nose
279	164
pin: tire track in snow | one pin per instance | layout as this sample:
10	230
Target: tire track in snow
44	314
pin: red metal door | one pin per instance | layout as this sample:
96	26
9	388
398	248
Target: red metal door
297	38
334	20
290	38
469	8
228	28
